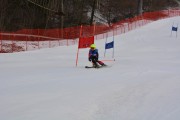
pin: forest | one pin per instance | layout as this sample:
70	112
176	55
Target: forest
46	14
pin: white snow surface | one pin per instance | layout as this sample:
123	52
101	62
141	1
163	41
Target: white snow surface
143	83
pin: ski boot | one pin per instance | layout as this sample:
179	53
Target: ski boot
95	65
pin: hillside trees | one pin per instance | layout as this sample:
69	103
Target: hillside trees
19	14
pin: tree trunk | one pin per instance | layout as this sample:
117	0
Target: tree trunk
139	8
92	13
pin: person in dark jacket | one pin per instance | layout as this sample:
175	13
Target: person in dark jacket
94	56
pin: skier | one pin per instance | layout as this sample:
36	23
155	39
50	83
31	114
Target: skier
94	55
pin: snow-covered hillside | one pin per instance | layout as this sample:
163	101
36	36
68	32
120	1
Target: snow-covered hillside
142	84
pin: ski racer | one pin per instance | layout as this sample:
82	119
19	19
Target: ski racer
94	56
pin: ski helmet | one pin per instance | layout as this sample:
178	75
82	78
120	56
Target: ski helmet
93	46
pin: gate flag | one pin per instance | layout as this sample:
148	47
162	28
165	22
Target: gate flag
109	45
85	42
174	28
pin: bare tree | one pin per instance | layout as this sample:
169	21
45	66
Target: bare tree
3	8
140	7
92	12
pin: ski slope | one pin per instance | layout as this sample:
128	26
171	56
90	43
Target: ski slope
142	84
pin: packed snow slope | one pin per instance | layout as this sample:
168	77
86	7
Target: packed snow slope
143	83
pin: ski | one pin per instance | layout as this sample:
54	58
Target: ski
96	67
89	67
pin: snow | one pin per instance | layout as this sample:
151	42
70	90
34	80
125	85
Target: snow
143	82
